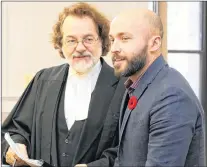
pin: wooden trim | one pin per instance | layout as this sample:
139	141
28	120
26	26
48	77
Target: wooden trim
162	11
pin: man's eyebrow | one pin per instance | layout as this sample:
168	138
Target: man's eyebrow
120	34
86	35
123	33
70	36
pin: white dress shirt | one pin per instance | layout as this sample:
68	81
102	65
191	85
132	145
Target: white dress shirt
78	94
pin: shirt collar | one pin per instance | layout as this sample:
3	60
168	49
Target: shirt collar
130	85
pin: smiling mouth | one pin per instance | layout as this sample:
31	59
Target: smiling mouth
118	59
117	62
80	57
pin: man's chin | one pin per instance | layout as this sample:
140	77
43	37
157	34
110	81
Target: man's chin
83	68
117	73
122	73
118	70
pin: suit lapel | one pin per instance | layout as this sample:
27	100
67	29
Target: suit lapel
144	82
98	108
138	92
122	109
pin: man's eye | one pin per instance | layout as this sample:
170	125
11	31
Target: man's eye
111	40
71	41
89	39
125	38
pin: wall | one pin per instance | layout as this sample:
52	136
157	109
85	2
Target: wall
26	46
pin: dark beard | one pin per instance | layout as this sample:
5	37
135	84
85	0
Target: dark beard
134	65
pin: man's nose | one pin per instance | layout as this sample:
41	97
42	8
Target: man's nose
115	47
80	47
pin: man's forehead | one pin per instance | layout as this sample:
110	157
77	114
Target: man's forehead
73	21
119	27
74	25
135	22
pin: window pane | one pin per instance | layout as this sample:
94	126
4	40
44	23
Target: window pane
184	22
189	66
150	5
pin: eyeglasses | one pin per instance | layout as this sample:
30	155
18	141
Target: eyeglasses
88	41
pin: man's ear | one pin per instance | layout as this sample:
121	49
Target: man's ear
154	43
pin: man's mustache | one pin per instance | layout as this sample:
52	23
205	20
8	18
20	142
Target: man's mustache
81	55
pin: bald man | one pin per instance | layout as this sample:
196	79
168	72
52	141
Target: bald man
161	119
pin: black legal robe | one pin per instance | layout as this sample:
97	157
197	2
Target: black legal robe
33	119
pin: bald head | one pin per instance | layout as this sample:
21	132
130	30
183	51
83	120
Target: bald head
141	18
136	38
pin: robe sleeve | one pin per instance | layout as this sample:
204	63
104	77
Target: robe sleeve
19	122
107	158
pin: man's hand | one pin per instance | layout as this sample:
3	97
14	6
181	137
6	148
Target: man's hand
11	156
81	165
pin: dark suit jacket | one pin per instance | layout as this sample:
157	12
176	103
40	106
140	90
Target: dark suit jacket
33	118
166	128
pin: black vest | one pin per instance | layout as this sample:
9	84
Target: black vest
67	140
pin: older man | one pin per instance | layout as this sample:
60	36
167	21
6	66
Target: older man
69	114
161	119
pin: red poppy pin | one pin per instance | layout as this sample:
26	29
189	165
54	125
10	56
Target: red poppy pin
132	102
